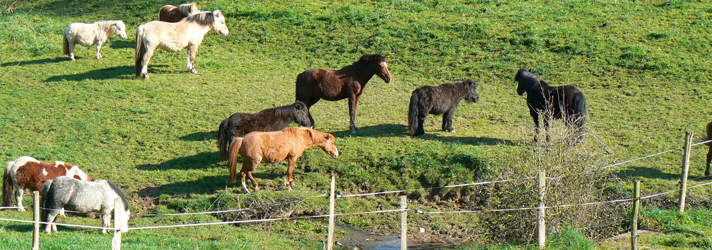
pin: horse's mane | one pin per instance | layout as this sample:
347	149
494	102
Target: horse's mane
107	26
284	111
203	18
372	58
188	8
120	194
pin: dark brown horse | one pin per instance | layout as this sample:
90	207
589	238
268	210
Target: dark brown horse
272	119
563	102
709	153
438	100
348	82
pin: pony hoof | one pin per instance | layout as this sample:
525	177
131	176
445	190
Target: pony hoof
145	76
193	71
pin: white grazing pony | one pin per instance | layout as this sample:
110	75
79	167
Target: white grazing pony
88	34
188	32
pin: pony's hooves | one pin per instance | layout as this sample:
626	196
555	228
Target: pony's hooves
21	209
145	76
193	71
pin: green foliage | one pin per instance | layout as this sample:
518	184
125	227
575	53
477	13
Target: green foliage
569	238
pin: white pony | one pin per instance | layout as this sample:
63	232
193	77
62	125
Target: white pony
84	197
88	34
188	32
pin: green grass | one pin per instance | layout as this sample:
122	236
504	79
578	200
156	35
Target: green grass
646	77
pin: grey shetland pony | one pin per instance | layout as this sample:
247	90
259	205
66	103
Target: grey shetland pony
84	197
88	34
188	32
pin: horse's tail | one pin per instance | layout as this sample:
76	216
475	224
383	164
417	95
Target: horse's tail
580	110
140	50
65	44
45	200
413	114
223	139
232	160
7	186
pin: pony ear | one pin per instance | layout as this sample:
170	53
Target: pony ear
311	134
217	13
298	107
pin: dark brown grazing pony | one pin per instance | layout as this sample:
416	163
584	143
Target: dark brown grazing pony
173	14
28	172
563	102
276	146
438	100
272	119
348	82
709	153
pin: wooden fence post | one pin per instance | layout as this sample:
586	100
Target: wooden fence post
330	238
685	169
36	230
404	223
634	222
541	224
118	212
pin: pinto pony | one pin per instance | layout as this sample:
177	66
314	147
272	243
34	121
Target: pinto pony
563	102
273	147
438	100
348	82
188	32
173	14
28	172
88	34
272	119
84	197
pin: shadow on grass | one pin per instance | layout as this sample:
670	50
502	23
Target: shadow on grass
125	72
199	161
122	44
39	61
648	173
200	136
207	185
390	130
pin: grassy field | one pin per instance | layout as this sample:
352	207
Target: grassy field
645	68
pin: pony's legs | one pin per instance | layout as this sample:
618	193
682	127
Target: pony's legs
19	192
546	127
535	117
244	187
422	114
290	173
190	66
98	48
310	103
51	226
106	220
353	102
71	49
447	120
146	58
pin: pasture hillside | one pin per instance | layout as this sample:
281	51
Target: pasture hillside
645	67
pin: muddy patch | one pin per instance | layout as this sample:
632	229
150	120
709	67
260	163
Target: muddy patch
359	239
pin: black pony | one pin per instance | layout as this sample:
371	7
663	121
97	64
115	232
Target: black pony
273	119
438	100
563	102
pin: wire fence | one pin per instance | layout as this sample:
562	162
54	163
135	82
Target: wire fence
376	211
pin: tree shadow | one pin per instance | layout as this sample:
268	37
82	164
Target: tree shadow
206	185
649	173
124	72
33	62
397	130
200	136
201	160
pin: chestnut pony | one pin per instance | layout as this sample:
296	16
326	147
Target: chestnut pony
28	172
173	14
273	147
348	82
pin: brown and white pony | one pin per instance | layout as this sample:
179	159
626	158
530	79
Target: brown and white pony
188	32
173	14
273	147
28	172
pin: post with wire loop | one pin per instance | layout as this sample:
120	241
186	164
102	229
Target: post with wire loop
634	222
36	230
330	238
118	211
541	224
685	170
404	223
